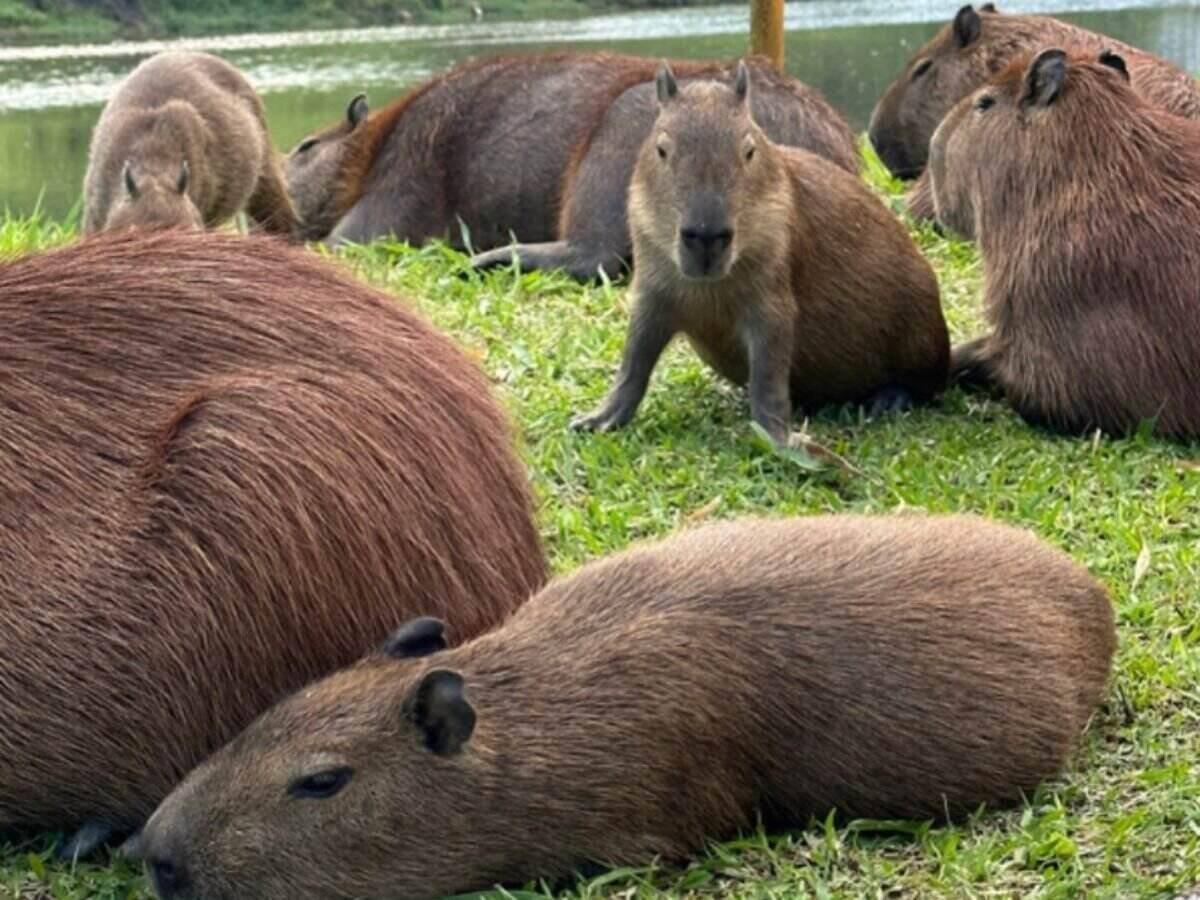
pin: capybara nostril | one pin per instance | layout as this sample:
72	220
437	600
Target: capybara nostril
169	877
706	239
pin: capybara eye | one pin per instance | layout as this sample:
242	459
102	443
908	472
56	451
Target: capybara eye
306	145
662	150
321	785
987	101
749	151
922	67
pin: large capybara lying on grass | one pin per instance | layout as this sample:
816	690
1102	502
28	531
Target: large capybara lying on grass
183	142
538	147
783	271
225	469
971	49
884	667
1089	226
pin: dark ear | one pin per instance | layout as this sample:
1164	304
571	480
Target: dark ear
131	187
1044	78
1114	61
741	86
184	176
357	110
967	26
419	637
440	712
665	84
988	7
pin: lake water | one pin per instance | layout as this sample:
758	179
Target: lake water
851	49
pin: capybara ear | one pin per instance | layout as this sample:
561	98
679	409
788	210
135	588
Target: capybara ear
967	26
1045	76
439	710
419	637
1114	61
184	176
741	86
665	84
988	7
131	187
357	110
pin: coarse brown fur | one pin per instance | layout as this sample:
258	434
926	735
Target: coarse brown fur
184	142
888	667
226	469
972	48
1088	226
539	147
782	270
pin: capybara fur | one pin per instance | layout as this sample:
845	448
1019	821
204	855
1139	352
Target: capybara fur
1089	228
183	143
535	148
968	51
885	667
782	270
226	468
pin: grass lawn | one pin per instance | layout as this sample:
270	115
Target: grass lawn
1125	820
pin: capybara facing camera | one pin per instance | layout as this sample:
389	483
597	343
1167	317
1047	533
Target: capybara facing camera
227	469
902	666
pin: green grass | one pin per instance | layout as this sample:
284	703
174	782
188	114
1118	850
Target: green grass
1123	822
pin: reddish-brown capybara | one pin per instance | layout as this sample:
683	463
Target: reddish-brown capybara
183	142
226	468
534	148
1089	227
886	667
971	49
782	270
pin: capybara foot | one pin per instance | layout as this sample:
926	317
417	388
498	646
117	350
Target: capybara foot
891	399
600	420
90	837
492	259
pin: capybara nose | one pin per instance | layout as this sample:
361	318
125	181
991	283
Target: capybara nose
707	241
168	875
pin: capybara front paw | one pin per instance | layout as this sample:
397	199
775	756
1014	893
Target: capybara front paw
600	420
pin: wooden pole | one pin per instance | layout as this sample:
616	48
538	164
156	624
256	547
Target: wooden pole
766	30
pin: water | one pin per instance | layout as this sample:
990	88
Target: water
50	97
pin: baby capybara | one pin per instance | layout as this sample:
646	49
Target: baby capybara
968	51
781	269
884	667
537	147
183	142
1088	224
225	469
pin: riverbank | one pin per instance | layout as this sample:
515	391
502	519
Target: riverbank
24	22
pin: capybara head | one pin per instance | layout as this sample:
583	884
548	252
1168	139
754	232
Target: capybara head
155	196
292	806
701	173
953	63
314	170
1036	110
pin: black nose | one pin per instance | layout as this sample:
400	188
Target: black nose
706	240
168	876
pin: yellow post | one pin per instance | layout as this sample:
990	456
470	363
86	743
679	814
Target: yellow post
766	30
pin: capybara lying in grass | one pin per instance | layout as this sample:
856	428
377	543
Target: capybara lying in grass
783	271
971	49
225	469
885	667
1086	223
538	148
183	142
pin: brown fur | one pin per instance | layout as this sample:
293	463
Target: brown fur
905	117
819	297
226	469
886	667
184	142
1088	224
514	157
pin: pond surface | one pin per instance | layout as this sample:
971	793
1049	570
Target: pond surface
50	97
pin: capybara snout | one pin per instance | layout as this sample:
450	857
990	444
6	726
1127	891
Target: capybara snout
706	243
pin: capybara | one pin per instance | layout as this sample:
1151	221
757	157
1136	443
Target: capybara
885	667
1088	224
971	49
183	142
534	148
226	468
782	270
